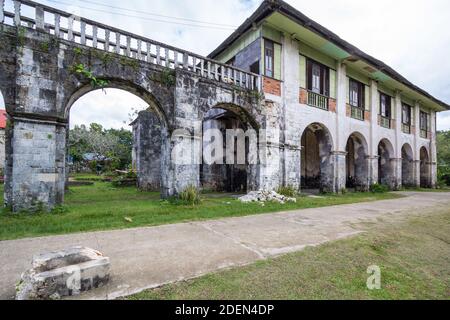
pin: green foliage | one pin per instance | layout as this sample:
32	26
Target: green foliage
167	77
127	62
288	191
190	196
115	145
379	188
443	145
86	73
21	36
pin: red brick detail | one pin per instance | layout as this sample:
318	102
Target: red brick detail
303	96
272	86
367	116
413	130
393	124
332	105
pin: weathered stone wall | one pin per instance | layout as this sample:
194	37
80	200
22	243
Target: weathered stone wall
147	142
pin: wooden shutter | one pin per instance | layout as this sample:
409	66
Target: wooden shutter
277	61
302	72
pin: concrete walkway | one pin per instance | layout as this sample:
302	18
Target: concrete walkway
144	258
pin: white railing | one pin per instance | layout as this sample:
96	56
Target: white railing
63	25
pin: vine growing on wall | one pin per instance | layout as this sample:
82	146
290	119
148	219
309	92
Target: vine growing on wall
82	70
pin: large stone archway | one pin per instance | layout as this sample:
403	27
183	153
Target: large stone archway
408	177
233	168
357	163
386	165
317	159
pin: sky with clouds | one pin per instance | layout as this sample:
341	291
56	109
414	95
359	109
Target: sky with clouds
409	35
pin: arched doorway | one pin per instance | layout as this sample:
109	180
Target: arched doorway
386	172
425	170
357	163
407	166
130	130
230	140
316	158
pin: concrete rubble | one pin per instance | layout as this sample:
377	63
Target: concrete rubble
266	196
63	273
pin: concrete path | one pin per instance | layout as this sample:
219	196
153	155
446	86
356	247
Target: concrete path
144	258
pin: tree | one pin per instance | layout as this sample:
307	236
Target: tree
114	145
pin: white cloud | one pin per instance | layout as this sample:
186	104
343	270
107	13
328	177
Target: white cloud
111	108
409	35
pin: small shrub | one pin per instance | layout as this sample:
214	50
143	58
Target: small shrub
287	191
190	195
379	188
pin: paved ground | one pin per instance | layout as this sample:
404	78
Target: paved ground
149	257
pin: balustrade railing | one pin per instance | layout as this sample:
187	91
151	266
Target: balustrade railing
317	100
357	113
406	128
385	122
63	25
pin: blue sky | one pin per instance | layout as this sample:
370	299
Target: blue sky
410	35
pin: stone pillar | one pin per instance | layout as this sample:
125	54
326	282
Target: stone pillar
416	146
37	165
292	158
373	139
270	150
147	145
339	160
373	169
397	179
291	91
339	154
433	151
184	150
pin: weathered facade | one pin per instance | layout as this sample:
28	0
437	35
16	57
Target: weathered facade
352	120
305	75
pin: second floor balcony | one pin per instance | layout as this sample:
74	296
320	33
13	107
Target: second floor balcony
385	122
317	100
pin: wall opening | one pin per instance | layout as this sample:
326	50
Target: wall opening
425	170
228	169
357	163
407	166
113	131
316	159
386	175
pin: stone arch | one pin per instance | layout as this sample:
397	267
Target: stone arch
407	166
386	167
357	165
151	138
425	168
154	104
235	167
317	169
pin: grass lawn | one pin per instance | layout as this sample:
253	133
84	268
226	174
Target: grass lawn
103	207
414	257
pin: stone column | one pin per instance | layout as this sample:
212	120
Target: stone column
397	179
339	154
339	160
416	144
373	139
37	165
433	150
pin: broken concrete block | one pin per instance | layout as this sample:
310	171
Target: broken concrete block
63	273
